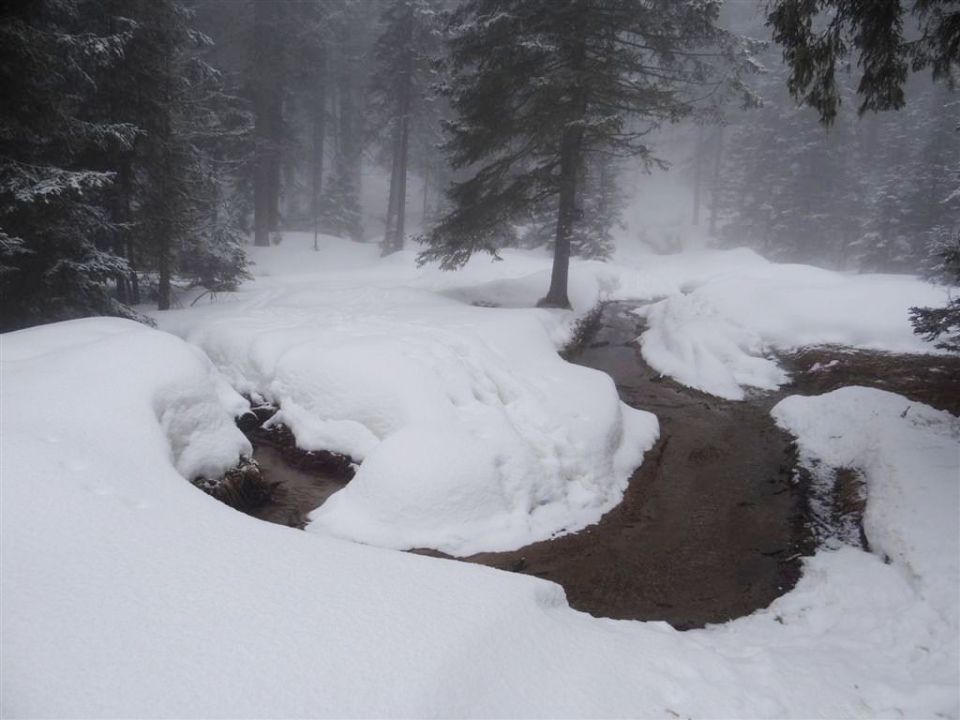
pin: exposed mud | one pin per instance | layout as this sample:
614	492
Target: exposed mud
930	379
281	483
711	526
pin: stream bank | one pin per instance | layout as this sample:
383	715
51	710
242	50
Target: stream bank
712	526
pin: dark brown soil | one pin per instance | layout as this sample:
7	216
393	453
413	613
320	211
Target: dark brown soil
930	379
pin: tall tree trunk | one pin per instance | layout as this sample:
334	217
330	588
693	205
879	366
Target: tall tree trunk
121	215
571	159
397	204
715	183
164	229
350	150
163	268
265	96
319	136
426	187
570	152
388	231
400	230
697	175
134	279
275	182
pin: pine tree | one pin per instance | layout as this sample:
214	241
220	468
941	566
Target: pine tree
942	325
193	138
268	75
351	25
817	37
56	253
401	96
538	84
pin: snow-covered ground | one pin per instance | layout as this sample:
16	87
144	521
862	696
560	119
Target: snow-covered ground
127	592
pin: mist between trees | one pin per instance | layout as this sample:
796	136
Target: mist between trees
144	143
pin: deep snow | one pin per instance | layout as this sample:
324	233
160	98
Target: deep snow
127	592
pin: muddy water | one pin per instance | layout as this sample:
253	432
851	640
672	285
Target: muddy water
296	492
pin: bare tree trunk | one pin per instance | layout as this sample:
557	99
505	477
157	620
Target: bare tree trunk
387	247
319	135
697	175
426	187
571	159
400	230
265	96
134	280
163	267
566	216
397	204
715	183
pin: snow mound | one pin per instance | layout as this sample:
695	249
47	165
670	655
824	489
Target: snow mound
910	455
695	344
716	331
192	411
472	433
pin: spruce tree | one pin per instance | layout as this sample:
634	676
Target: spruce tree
942	325
400	96
887	38
538	84
193	138
57	256
267	78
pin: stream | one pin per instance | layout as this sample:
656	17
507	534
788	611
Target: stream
711	526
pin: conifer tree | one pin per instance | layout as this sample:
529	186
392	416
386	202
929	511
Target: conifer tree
56	251
192	139
267	78
942	325
401	96
537	84
887	38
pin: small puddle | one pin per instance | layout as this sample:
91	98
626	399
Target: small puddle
282	484
295	492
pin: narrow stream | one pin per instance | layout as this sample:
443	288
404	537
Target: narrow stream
710	528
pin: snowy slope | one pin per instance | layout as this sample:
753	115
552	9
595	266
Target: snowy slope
127	592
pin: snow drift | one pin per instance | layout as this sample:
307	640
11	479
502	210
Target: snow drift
127	592
473	434
728	311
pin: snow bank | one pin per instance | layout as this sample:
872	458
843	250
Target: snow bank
127	592
716	331
473	434
191	413
910	455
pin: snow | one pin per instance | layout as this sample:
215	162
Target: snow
911	455
473	434
715	331
127	592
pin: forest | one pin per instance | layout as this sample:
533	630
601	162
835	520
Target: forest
479	358
144	142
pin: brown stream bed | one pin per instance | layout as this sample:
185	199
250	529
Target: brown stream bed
712	525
